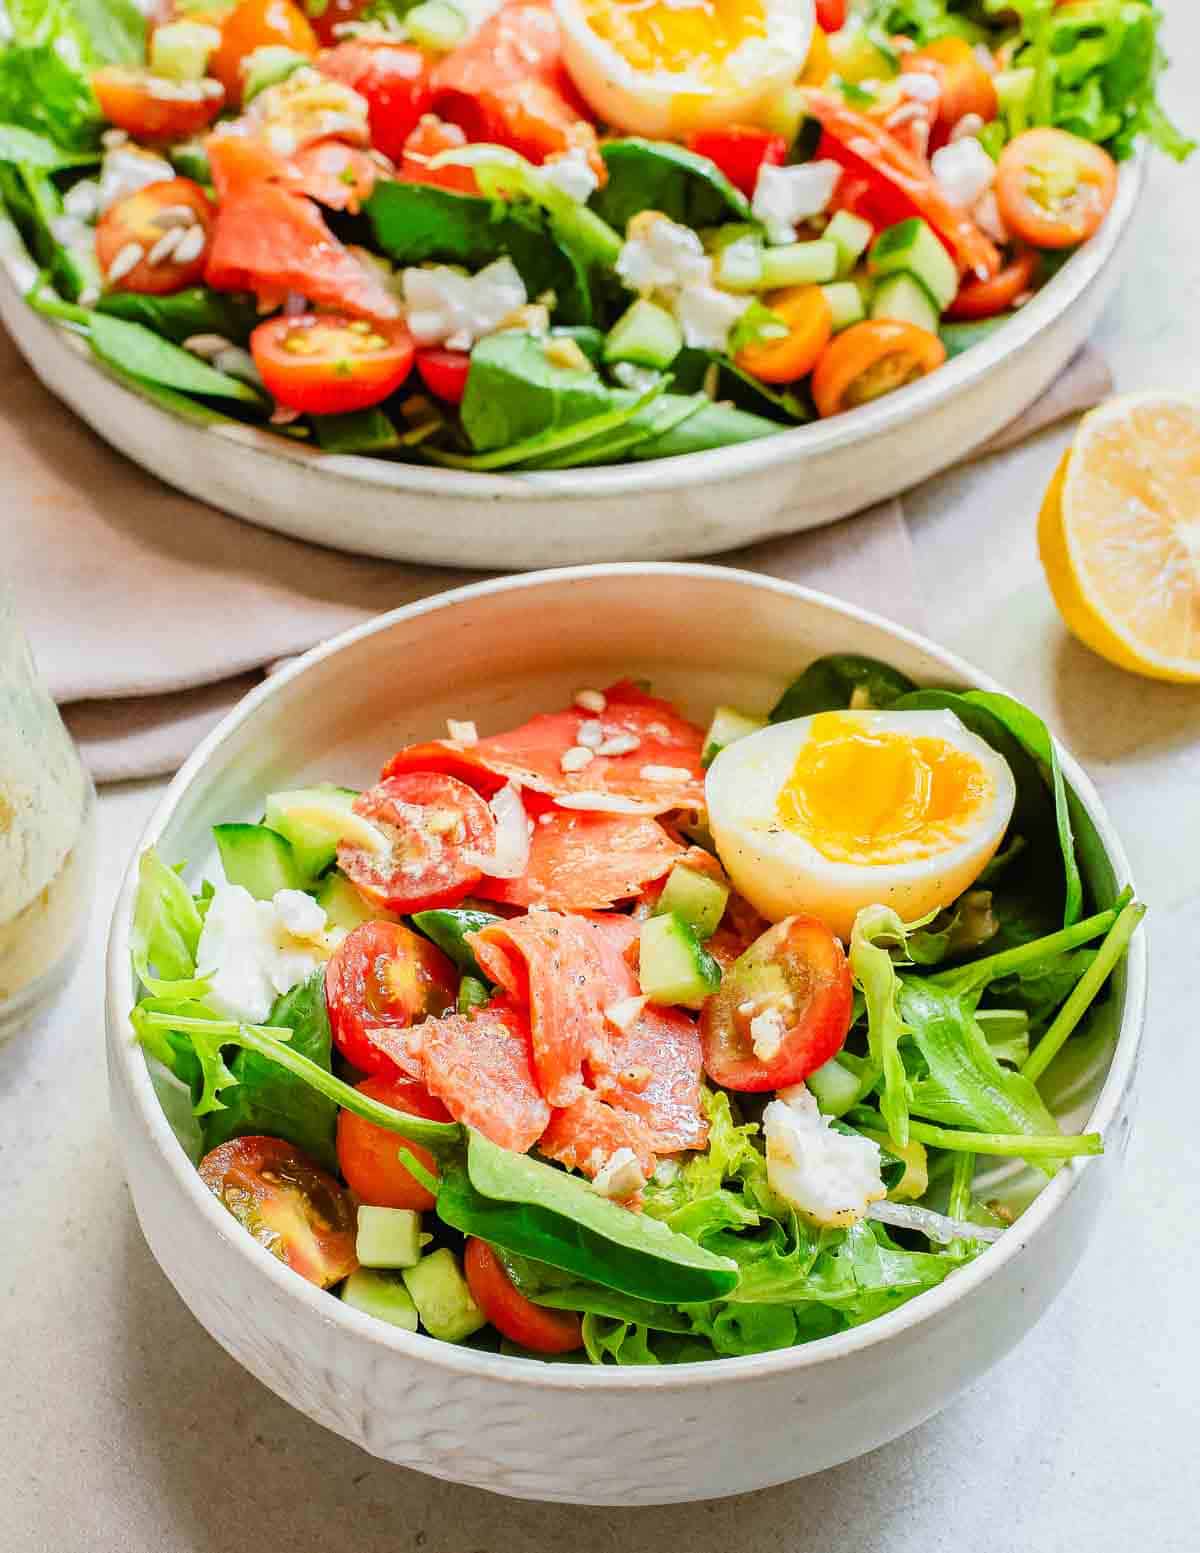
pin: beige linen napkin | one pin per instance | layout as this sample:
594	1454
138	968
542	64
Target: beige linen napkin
150	614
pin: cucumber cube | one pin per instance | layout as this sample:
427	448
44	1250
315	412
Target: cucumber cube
911	245
646	335
436	26
845	304
268	65
739	265
344	907
314	820
835	1088
903	297
727	727
674	966
180	51
799	264
388	1237
699	899
851	235
258	858
381	1295
442	1298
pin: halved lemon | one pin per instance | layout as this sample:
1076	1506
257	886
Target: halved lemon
1119	535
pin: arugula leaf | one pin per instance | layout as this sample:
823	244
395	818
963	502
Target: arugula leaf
874	972
165	933
53	48
34	150
270	1100
838	681
656	175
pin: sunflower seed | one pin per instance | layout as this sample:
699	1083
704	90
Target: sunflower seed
165	246
576	758
206	345
126	259
620	744
173	216
191	245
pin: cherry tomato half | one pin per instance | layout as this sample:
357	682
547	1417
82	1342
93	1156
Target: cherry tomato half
806	312
966	85
147	220
831	15
871	359
797	971
150	108
515	1317
382	980
1053	188
740	151
327	364
394	78
986	298
445	373
290	1206
253	25
369	1156
434	824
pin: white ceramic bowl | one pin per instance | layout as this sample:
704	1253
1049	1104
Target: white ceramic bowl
695	505
496	652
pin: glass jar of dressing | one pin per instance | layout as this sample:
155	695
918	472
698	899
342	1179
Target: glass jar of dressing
46	835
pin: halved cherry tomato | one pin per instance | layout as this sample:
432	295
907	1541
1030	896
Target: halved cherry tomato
740	152
806	312
292	1207
144	219
871	359
1053	188
393	77
445	373
986	298
325	364
382	980
430	138
434	824
831	15
369	1156
150	108
966	85
326	16
515	1317
798	972
252	25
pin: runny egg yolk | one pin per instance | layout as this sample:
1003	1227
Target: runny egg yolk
858	794
679	36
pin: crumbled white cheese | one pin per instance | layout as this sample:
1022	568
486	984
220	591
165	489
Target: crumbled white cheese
920	87
986	214
964	171
571	172
707	316
767	1031
829	1176
662	255
126	169
665	774
785	195
462	732
620	1176
250	954
445	306
639	379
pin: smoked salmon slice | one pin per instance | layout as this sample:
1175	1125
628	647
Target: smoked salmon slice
478	1066
586	1134
582	862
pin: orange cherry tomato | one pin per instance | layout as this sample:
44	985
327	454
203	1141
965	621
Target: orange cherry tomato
1053	188
805	310
292	1207
144	220
515	1317
798	970
328	364
986	298
369	1156
871	359
966	85
252	25
148	107
383	979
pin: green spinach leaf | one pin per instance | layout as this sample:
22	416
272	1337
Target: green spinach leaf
195	310
358	431
838	681
711	426
657	175
448	928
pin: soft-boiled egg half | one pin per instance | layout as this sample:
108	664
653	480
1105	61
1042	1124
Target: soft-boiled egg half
667	67
831	813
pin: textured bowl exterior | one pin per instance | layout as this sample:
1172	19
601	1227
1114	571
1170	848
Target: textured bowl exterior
494	652
694	505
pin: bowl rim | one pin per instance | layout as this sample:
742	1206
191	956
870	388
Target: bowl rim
502	1368
1078	275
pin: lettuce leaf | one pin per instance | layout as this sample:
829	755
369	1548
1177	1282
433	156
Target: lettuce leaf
54	46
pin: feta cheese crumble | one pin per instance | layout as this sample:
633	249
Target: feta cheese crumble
784	196
707	315
662	255
964	171
571	173
766	1034
252	951
620	1176
829	1176
447	307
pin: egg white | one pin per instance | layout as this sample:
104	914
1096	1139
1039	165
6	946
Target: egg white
669	103
781	873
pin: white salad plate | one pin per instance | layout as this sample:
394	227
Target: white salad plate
697	504
497	652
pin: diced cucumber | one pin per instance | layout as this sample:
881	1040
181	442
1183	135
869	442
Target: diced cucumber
674	966
784	112
472	993
442	1297
314	820
851	235
727	727
845	304
646	335
859	56
911	245
181	50
904	297
258	858
914	1183
835	1087
799	264
381	1295
739	264
388	1237
344	906
190	160
697	898
268	66
436	26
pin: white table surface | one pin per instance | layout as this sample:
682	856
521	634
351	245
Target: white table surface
126	1428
